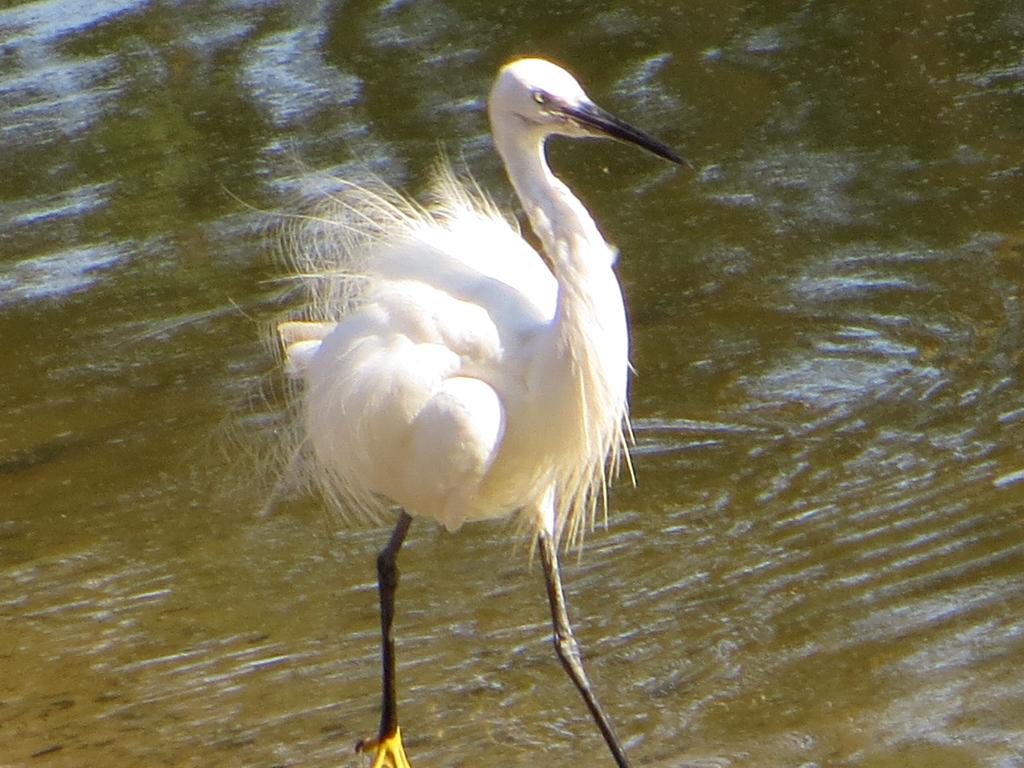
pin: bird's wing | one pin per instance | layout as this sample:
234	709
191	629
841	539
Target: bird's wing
390	411
418	322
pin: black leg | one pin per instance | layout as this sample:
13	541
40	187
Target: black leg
388	744
387	583
569	650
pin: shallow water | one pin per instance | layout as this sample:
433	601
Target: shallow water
822	563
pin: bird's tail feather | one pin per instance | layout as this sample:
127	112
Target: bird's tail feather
301	340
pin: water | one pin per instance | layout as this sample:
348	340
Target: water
822	564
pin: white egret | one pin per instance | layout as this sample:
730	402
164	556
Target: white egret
452	373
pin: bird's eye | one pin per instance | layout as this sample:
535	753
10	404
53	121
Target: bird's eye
540	97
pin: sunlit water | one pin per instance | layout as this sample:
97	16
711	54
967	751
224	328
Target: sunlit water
823	563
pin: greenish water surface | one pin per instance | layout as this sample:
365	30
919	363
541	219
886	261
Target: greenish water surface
823	561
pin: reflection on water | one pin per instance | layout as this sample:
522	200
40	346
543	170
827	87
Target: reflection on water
822	562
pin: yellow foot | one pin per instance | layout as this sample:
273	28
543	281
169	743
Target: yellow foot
389	751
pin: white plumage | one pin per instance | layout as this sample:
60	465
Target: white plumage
450	371
447	369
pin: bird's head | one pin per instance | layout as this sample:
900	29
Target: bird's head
537	96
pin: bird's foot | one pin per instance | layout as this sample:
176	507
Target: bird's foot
389	752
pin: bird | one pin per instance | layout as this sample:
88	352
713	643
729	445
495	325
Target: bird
450	371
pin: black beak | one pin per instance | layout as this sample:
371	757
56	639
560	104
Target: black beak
596	120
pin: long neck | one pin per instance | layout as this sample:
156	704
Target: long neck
570	238
590	312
